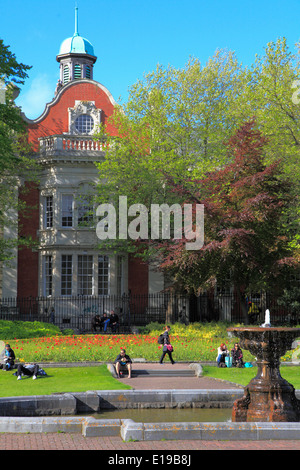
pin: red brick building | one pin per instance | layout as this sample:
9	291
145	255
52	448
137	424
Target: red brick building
68	260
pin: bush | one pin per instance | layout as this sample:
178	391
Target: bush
193	330
290	299
20	330
152	327
67	332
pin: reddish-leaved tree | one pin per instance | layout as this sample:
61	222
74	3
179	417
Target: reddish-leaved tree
246	203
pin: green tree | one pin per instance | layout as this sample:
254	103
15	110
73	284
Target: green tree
174	123
15	159
246	244
175	120
271	94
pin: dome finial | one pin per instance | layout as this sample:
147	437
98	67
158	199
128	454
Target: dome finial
76	20
76	56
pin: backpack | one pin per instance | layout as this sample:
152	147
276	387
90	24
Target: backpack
160	339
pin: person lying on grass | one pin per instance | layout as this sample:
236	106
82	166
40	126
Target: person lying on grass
30	370
123	362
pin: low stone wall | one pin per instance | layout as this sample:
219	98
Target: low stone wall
94	401
130	430
27	414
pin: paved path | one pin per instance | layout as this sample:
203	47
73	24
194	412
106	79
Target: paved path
113	445
139	382
74	442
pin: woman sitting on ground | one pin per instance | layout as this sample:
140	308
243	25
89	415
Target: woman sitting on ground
222	353
237	356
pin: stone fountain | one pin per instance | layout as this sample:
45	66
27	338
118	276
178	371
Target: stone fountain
267	397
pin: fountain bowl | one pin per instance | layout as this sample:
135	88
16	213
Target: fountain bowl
267	397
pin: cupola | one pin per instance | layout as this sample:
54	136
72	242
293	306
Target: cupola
76	57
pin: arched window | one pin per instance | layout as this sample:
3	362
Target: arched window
84	124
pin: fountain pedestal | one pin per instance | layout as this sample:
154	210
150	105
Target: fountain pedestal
267	397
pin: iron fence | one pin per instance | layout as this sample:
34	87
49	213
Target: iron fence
139	310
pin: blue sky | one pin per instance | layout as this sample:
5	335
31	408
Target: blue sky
130	37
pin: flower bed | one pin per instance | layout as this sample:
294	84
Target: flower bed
192	343
195	342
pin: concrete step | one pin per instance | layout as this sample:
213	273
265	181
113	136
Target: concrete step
164	372
143	369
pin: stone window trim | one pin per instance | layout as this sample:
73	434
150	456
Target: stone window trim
80	108
107	278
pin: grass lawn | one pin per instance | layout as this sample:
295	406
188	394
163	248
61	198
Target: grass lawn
59	380
243	376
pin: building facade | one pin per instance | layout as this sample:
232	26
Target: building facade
67	259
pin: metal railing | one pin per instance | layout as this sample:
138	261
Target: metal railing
139	310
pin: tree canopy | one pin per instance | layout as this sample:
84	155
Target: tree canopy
246	203
14	150
173	133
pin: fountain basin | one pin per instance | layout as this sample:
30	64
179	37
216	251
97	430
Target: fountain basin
267	397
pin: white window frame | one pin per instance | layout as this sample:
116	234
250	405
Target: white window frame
48	275
119	274
103	277
84	124
85	211
85	274
66	277
67	210
48	211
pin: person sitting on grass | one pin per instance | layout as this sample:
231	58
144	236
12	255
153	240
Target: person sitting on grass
237	356
123	362
30	370
8	358
222	353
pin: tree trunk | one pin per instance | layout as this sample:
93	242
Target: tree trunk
243	305
170	312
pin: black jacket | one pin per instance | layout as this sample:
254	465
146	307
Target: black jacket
123	359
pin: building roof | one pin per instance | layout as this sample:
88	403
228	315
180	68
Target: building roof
76	44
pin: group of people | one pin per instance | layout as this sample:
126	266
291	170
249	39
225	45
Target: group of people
105	322
236	356
123	362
